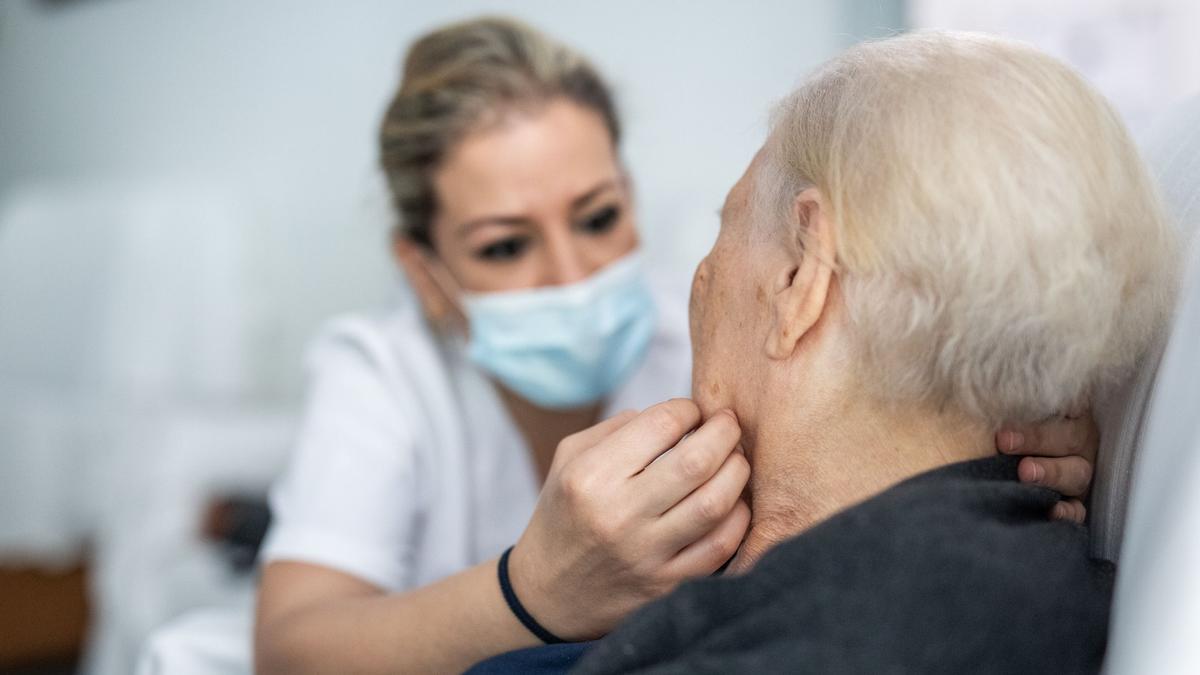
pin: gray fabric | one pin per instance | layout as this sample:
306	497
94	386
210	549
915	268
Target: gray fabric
1173	152
956	571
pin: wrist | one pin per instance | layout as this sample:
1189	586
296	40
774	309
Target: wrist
517	605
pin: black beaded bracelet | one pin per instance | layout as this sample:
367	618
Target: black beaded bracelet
519	610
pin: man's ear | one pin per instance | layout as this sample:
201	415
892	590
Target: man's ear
800	292
437	301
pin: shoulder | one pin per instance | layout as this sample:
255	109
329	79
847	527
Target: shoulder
392	347
373	339
357	483
973	521
380	376
960	566
963	552
953	571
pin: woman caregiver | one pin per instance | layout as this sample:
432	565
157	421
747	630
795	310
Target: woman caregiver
430	429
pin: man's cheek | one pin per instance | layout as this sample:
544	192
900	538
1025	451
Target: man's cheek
697	304
707	371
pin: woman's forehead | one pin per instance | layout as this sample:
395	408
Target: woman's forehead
543	160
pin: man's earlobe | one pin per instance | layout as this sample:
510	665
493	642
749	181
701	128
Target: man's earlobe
801	292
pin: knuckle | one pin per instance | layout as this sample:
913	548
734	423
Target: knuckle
741	467
709	508
1083	474
1066	480
727	546
693	465
1052	472
569	443
677	415
726	424
578	486
665	421
686	408
719	549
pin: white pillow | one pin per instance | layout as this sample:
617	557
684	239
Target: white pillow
1156	615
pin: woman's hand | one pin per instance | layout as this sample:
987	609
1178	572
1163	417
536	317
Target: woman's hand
1061	453
617	525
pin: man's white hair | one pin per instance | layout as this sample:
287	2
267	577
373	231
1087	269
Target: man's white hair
1000	246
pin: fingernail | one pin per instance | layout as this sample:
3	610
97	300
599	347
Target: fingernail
1015	440
1039	472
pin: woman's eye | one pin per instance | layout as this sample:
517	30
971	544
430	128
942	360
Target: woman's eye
503	250
601	221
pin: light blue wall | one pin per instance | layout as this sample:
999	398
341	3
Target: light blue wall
274	103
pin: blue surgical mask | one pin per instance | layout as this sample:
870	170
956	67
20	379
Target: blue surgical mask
564	346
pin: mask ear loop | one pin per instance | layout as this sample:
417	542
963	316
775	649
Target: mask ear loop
448	316
455	316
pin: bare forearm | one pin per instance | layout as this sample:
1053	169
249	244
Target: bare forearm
445	627
620	521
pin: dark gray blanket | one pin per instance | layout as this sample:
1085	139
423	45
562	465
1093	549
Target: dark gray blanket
955	571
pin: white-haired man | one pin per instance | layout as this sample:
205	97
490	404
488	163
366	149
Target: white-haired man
943	233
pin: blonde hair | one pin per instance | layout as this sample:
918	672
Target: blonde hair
461	77
1001	247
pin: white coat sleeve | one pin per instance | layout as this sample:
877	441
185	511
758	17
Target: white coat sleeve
348	499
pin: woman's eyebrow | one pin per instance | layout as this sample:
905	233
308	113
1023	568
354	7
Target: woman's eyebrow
582	200
465	228
579	202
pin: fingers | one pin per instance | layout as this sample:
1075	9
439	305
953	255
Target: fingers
689	464
708	554
1069	476
706	507
591	436
1058	437
651	433
1070	509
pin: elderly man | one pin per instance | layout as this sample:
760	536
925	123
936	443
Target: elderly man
943	233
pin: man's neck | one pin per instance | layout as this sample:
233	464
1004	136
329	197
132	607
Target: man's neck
808	464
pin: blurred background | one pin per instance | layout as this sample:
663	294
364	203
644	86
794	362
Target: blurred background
188	189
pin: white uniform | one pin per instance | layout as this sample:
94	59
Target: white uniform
407	468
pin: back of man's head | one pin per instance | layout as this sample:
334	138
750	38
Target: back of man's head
1000	246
